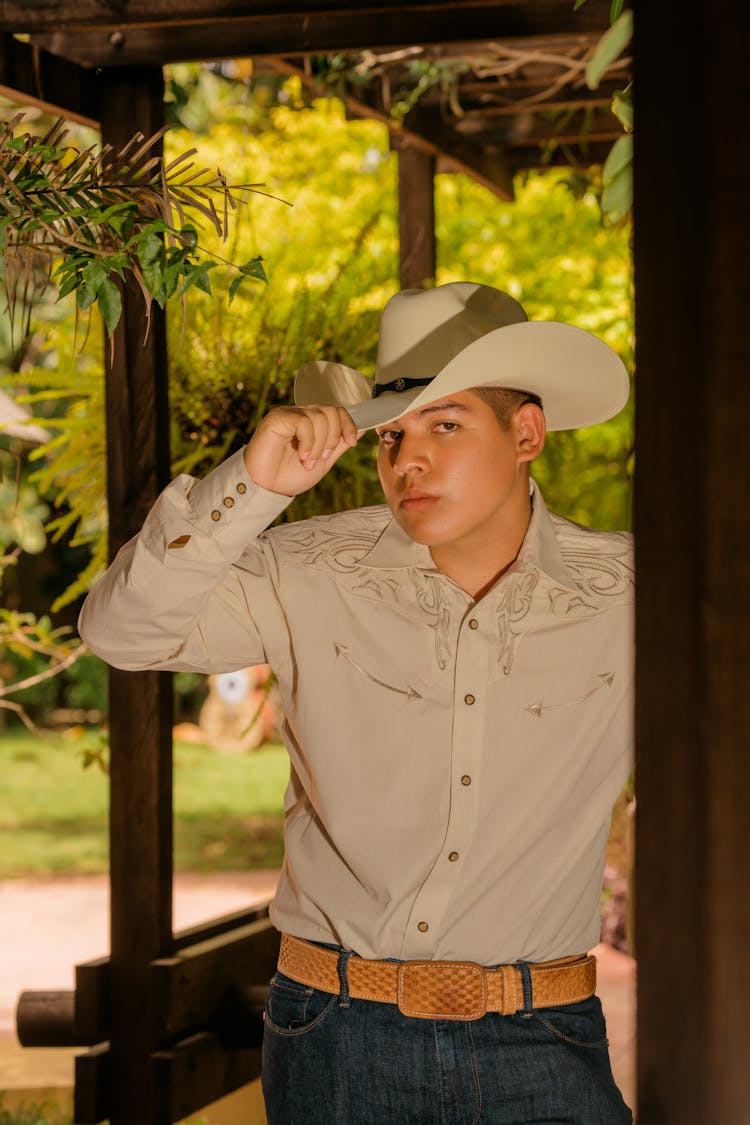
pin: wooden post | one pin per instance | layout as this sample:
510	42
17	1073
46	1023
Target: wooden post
416	216
692	246
140	703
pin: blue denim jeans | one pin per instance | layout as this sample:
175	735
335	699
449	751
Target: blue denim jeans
329	1060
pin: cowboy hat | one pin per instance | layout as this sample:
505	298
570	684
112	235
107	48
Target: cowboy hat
437	342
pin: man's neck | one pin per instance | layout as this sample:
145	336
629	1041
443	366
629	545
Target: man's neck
478	565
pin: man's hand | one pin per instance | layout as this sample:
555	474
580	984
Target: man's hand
294	447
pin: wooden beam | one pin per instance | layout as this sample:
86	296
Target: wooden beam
195	987
534	131
123	43
558	156
32	76
425	126
79	15
416	217
140	702
92	1094
513	99
692	246
198	1071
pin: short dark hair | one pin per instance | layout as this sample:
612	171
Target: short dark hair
504	402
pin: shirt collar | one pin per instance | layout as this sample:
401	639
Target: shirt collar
539	550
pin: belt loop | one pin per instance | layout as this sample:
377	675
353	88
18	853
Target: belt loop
344	955
527	987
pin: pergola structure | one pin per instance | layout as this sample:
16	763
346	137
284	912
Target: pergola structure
158	1013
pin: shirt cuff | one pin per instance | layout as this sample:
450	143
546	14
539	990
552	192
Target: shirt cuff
230	506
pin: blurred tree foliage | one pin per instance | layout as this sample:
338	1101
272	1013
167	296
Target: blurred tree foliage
332	262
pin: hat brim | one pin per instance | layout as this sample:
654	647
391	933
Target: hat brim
578	377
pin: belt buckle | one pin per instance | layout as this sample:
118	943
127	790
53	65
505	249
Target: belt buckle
442	990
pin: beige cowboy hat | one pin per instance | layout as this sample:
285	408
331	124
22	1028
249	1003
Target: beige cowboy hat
437	342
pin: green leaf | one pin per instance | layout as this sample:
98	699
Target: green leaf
622	107
254	268
172	275
68	285
110	304
617	197
609	48
188	236
150	247
620	156
614	10
197	275
85	297
153	279
202	281
236	282
94	274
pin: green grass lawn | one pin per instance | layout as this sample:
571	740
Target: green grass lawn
53	812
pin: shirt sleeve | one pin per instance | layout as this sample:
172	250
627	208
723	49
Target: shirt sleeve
180	594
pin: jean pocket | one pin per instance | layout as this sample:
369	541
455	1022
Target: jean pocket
293	1009
581	1024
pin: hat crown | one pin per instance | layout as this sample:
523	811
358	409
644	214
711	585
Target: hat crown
421	330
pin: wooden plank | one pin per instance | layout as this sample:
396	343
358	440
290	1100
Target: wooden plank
295	34
76	15
31	76
198	1071
572	155
692	245
204	931
516	98
91	1098
92	1009
140	702
416	217
532	131
199	985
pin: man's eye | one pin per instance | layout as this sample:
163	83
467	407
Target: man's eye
388	437
447	427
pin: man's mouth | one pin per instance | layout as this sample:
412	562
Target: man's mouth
414	500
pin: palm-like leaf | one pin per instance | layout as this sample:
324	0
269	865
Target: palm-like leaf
82	218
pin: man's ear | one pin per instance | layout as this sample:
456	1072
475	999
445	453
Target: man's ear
530	430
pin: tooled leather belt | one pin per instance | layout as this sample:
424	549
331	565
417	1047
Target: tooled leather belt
441	990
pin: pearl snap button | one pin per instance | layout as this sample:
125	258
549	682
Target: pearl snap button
466	780
470	699
228	501
242	488
473	624
423	927
453	857
216	514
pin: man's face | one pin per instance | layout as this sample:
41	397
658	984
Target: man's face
451	474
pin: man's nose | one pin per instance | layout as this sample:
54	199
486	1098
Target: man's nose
410	456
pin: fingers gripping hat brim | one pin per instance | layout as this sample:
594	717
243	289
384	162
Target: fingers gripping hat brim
580	380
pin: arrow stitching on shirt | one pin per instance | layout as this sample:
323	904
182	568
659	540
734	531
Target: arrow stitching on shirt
605	680
345	651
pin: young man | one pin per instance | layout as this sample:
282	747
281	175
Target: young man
455	670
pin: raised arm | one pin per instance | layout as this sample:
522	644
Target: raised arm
181	595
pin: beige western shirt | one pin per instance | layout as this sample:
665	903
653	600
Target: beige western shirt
453	764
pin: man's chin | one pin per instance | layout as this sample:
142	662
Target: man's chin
417	530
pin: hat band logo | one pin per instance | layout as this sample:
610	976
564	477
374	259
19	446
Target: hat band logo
399	385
